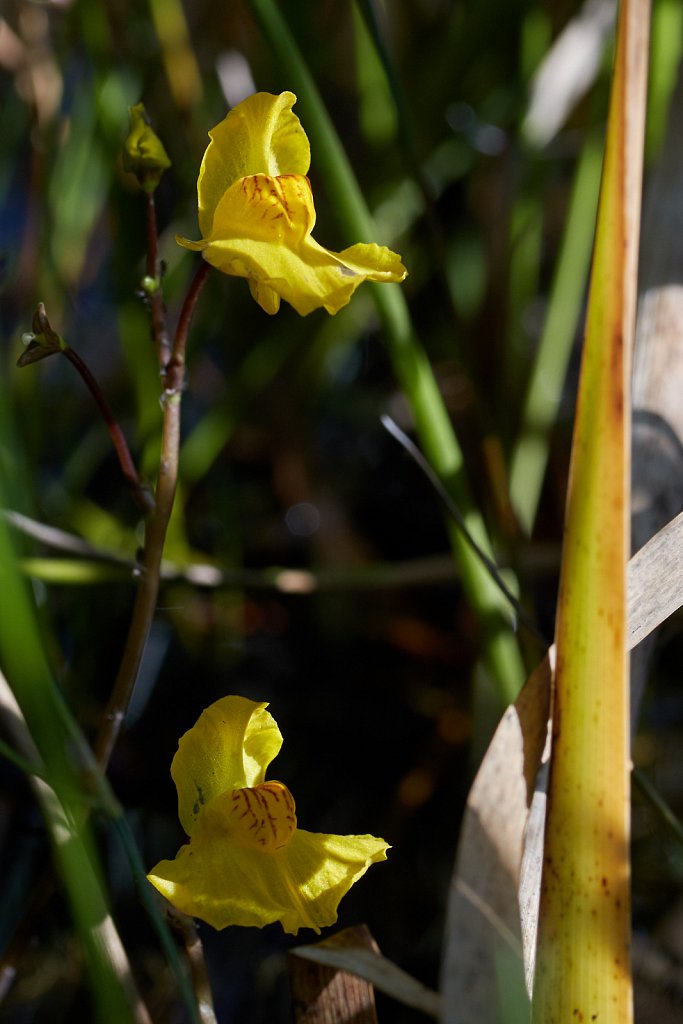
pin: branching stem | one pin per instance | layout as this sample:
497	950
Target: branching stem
155	530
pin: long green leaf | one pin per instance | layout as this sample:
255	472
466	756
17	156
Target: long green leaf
61	796
542	399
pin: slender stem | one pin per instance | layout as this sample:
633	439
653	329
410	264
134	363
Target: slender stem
156	299
152	247
138	487
24	764
194	951
155	530
157	916
654	798
175	369
521	615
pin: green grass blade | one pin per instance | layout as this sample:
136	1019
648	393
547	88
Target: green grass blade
530	455
61	796
410	363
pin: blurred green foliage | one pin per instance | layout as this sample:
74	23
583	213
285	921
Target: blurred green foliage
369	654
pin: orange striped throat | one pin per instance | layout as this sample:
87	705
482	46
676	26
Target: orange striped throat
263	817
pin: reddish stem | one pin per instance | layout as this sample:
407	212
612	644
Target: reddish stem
139	489
174	375
156	299
155	530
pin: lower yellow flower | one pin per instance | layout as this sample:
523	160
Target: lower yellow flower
247	863
256	214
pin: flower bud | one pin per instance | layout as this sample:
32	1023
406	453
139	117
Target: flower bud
41	341
143	152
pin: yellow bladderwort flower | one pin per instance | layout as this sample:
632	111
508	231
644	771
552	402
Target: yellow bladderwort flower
256	213
247	863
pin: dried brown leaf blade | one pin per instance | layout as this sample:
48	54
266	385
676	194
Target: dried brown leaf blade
355	951
501	845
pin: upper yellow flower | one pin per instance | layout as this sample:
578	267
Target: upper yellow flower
256	213
247	863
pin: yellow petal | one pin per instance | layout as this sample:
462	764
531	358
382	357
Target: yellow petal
261	135
261	231
326	867
300	885
229	747
268	300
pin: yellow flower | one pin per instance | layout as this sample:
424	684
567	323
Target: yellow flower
256	213
247	863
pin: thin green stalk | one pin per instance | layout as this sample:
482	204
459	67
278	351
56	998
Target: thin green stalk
157	917
155	530
62	797
25	755
22	763
194	953
411	366
530	455
368	13
658	803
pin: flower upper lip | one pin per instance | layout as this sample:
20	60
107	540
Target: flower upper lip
261	135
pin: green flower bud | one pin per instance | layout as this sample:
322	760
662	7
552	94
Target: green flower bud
143	152
41	341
